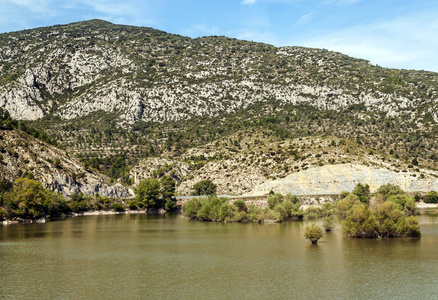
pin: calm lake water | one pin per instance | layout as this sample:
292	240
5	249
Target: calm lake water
139	256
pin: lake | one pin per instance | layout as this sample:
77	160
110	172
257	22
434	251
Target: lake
162	257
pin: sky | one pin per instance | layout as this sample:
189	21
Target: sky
391	33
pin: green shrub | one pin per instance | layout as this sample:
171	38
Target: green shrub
363	192
388	190
225	212
191	207
292	198
401	199
274	200
328	223
240	205
347	203
204	187
2	214
431	197
118	206
313	212
408	227
344	194
132	205
313	233
281	211
388	220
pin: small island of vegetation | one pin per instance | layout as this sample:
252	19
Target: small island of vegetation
390	212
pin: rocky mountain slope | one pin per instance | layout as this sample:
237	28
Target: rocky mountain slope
144	74
251	164
127	100
22	155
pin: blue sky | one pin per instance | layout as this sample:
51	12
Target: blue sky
391	33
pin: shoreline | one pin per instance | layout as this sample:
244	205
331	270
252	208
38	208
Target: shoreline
419	205
86	213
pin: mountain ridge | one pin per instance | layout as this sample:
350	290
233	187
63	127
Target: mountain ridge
108	91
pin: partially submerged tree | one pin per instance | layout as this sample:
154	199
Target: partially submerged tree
313	233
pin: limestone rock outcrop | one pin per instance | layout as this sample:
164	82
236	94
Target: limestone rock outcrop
333	179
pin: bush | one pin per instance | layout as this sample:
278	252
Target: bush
344	194
132	205
240	205
388	220
363	192
388	190
292	198
313	233
224	212
279	209
204	187
118	206
347	203
2	214
274	200
55	205
408	227
191	207
312	212
78	203
401	199
328	223
431	197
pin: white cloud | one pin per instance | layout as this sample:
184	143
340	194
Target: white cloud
306	18
249	2
408	42
198	30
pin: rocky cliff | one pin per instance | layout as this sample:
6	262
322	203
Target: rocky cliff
25	156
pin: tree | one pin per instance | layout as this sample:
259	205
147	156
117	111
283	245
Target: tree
388	190
168	192
240	205
431	197
313	233
274	200
328	223
363	192
415	161
147	192
26	199
204	187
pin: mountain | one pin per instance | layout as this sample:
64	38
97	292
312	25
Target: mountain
135	95
23	154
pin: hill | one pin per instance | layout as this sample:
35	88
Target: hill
115	95
24	155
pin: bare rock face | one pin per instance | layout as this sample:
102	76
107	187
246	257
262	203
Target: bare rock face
333	179
23	155
21	102
138	75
